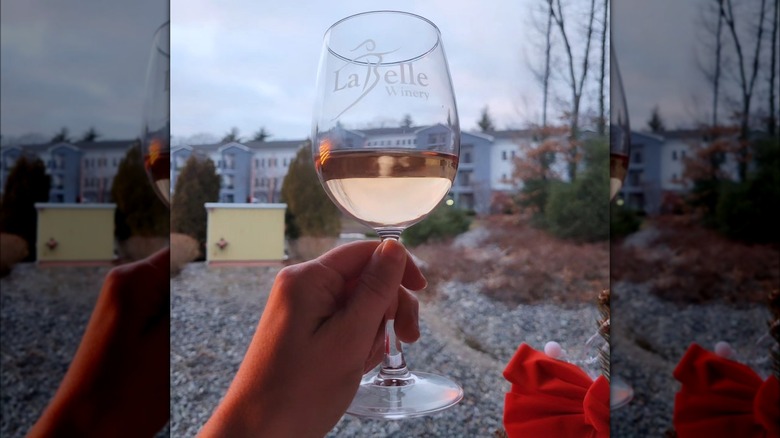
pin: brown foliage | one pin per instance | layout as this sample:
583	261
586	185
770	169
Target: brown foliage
687	263
519	264
140	247
308	247
184	249
13	249
535	159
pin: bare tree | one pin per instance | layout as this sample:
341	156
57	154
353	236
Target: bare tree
602	120
576	82
713	43
542	74
746	79
547	48
772	122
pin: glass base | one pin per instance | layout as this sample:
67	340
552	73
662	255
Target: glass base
620	393
420	394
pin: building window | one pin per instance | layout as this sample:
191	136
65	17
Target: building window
465	179
637	157
682	154
503	155
513	155
674	155
635	178
227	181
467	157
230	161
437	139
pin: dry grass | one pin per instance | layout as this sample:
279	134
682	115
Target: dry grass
518	264
184	249
687	263
13	249
140	247
307	248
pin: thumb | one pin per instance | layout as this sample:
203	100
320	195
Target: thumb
376	291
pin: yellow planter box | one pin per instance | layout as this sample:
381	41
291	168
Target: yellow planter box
75	232
245	233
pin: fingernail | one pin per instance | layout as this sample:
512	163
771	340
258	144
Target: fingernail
393	251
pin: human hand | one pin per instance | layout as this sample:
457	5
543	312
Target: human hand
118	381
322	327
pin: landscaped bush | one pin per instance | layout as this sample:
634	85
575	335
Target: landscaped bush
26	184
310	210
749	211
13	249
184	249
197	184
444	222
623	221
580	210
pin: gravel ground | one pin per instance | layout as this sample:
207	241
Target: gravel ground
214	312
44	312
464	335
651	335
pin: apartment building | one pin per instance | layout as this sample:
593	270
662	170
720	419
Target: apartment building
80	172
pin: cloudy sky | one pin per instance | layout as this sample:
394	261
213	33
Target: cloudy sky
75	64
252	64
655	43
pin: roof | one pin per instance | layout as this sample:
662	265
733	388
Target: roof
84	146
511	133
254	145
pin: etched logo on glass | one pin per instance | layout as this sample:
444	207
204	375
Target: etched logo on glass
367	70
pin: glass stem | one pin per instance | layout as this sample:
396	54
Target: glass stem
393	371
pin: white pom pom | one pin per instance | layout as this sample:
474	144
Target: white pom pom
723	349
553	349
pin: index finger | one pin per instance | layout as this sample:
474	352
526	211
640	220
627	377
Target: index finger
350	259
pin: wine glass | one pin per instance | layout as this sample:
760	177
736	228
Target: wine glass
155	133
619	151
374	67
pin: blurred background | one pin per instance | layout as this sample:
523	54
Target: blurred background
518	252
694	249
71	95
690	248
